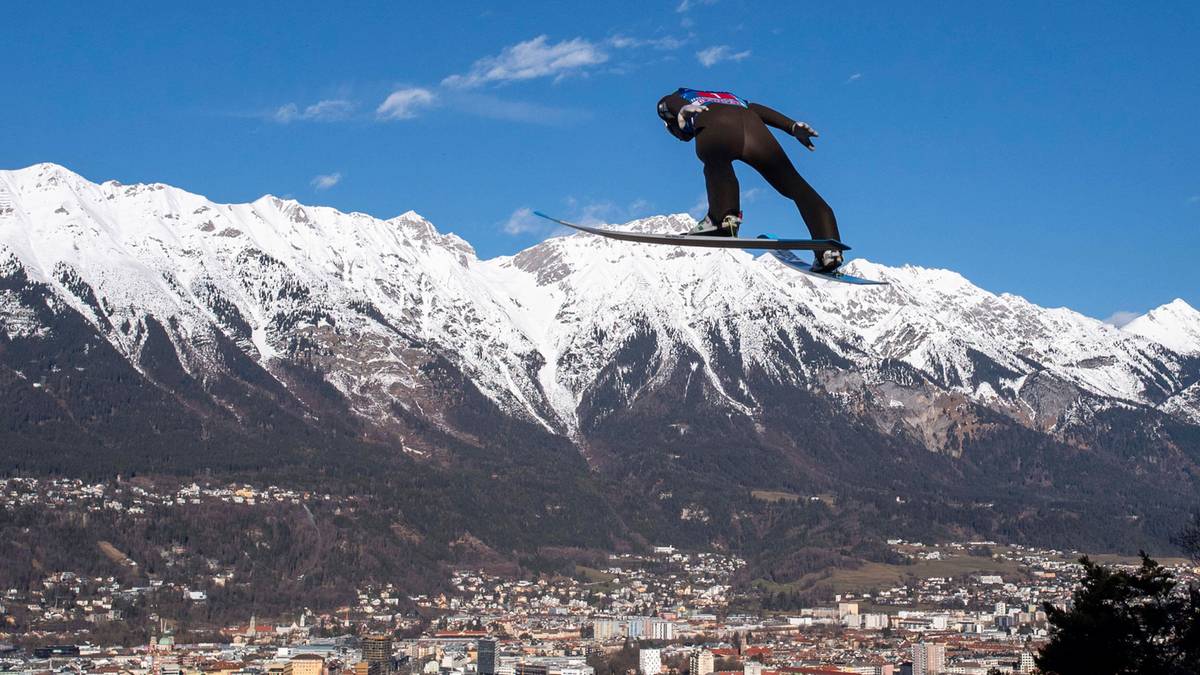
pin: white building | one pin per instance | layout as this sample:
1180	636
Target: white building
607	628
874	621
650	661
661	629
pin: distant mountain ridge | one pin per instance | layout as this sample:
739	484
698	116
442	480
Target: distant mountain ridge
243	319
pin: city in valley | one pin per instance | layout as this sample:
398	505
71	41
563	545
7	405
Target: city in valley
949	607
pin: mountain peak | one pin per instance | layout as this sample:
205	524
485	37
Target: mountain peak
1175	325
420	230
410	216
1179	305
42	173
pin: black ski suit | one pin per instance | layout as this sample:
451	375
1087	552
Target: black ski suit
727	132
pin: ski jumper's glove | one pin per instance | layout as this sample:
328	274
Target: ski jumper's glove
804	134
687	117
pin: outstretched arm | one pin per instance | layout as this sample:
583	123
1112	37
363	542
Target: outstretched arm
774	118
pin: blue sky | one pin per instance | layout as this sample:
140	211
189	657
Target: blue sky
1044	149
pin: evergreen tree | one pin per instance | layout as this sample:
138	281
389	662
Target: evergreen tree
1127	623
1188	538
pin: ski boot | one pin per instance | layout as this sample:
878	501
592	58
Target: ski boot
729	227
826	261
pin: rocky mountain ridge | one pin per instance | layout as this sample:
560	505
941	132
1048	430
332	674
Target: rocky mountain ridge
397	335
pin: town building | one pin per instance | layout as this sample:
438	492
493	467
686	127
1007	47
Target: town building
304	664
928	658
485	658
650	661
377	652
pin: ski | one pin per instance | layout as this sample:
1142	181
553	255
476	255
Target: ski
772	243
791	260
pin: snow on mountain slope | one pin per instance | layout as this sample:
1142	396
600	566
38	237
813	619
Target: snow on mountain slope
1175	325
373	302
964	338
581	298
940	323
274	275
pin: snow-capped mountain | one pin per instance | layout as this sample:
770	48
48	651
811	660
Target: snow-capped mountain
370	303
1175	325
582	391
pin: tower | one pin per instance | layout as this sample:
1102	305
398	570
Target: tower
928	658
486	656
377	652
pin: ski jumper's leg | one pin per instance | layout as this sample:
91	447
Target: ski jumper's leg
724	195
718	143
766	156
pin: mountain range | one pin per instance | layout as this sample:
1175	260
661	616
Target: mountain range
583	392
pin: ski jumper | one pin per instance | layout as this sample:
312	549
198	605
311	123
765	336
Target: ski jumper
735	129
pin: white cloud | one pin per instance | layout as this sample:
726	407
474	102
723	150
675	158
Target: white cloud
665	43
854	77
714	55
286	113
640	205
529	60
598	213
1194	199
606	212
1120	318
591	213
329	110
523	221
404	103
326	181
